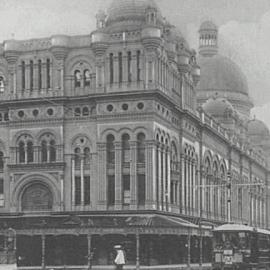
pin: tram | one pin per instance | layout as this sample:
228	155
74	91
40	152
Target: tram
240	247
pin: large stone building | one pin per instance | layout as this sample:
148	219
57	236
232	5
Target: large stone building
102	143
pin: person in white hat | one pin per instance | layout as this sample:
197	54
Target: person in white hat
120	259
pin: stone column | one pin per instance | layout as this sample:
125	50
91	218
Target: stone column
89	252
133	175
203	192
43	251
102	176
118	176
137	251
27	75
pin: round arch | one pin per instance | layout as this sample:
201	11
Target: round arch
34	179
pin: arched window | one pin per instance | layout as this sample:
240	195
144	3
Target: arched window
216	188
86	152
37	197
30	152
21	152
77	153
77	111
77	78
223	192
85	111
39	75
48	148
174	159
207	189
48	69
125	148
111	69
44	152
110	149
1	160
23	75
31	75
52	151
2	84
87	77
141	148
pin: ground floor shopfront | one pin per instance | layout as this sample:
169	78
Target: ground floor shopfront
150	241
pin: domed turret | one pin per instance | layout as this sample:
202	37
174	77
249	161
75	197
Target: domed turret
123	14
258	128
219	74
218	107
208	39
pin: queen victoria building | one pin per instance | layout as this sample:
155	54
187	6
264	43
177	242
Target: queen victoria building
124	136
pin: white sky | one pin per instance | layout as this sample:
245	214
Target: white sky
244	30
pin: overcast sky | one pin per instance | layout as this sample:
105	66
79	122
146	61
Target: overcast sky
244	30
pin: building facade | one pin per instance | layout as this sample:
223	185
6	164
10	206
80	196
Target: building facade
104	142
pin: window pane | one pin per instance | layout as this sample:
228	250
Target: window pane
111	190
87	190
77	190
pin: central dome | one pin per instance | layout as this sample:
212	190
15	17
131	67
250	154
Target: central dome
121	10
219	73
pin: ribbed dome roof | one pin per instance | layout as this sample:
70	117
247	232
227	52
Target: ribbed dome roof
208	25
121	10
221	74
257	128
217	107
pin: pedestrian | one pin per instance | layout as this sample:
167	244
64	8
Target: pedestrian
120	259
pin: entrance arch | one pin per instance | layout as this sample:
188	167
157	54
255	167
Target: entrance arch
36	197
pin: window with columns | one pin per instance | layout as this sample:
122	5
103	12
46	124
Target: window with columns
48	148
25	149
190	178
81	168
83	75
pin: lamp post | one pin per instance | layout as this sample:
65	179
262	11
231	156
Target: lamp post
11	243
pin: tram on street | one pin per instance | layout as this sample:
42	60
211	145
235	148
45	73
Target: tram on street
240	247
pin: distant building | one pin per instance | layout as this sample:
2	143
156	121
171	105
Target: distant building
110	139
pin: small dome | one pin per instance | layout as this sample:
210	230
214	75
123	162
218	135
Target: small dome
258	128
219	73
218	107
208	25
122	10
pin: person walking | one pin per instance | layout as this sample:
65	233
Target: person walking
120	259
